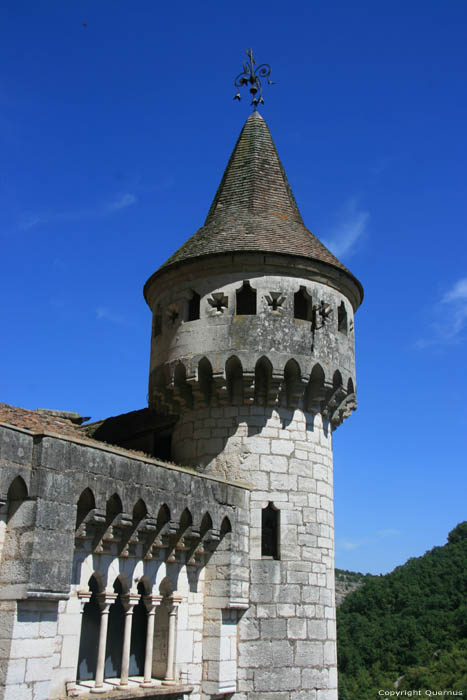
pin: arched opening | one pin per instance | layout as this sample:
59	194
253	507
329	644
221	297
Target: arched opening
292	376
234	377
342	318
315	389
205	379
182	389
206	524
226	526
270	532
113	508
139	512
263	377
302	305
186	519
163	516
86	503
90	623
350	387
246	300
113	650
17	494
138	634
192	309
157	321
337	379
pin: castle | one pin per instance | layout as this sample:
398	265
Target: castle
124	574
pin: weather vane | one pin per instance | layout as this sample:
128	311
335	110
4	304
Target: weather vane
251	75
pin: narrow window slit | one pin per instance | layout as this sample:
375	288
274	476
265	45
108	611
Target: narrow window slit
270	532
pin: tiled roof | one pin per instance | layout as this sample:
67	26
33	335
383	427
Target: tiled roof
38	422
254	208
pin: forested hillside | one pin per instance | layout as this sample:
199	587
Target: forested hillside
407	629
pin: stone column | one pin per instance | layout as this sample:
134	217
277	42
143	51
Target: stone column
128	601
169	675
105	600
151	602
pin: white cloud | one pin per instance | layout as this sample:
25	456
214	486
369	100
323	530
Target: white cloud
457	293
348	545
28	220
103	313
125	200
449	317
349	229
388	532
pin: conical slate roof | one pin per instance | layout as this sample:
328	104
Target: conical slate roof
254	208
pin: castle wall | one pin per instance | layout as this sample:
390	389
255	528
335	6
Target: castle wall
287	647
45	583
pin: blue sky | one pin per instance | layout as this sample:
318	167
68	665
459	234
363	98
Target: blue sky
113	138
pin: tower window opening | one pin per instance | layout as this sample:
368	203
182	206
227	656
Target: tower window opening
193	307
270	532
342	319
302	305
246	300
157	322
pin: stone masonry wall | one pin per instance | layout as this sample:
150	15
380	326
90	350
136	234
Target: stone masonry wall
287	637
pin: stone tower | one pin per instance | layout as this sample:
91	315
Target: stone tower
253	349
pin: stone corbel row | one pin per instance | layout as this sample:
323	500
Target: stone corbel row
334	403
97	535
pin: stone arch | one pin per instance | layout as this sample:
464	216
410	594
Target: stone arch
302	305
86	503
113	508
263	379
315	389
205	379
270	533
163	515
16	495
157	321
89	638
337	379
192	307
234	379
206	524
182	390
342	319
166	587
226	526
246	300
138	632
186	519
140	511
116	625
292	383
350	386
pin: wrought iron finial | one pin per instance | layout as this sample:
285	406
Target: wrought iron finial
251	75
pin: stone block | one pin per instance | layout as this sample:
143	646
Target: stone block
273	629
277	679
21	691
309	654
274	463
317	629
285	610
286	593
38	670
296	628
15	671
282	482
31	648
282	447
